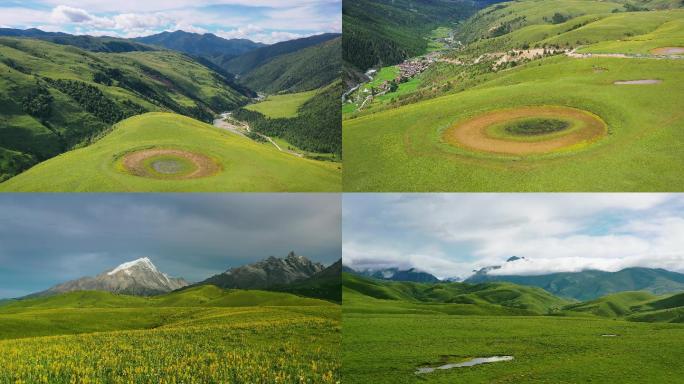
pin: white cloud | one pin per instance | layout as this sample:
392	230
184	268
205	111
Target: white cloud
66	15
240	32
259	34
555	232
164	5
128	21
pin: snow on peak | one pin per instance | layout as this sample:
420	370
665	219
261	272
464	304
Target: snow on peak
125	267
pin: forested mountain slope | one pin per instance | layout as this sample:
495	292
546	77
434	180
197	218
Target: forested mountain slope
303	70
389	31
260	56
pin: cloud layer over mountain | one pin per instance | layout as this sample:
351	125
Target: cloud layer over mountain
450	235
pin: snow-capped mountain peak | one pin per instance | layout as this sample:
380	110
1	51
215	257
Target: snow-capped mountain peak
137	277
143	262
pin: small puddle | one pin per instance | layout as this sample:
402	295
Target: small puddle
637	82
608	335
469	363
168	167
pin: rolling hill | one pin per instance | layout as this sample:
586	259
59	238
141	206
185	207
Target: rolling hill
303	70
592	284
88	43
54	98
370	295
500	298
169	152
256	58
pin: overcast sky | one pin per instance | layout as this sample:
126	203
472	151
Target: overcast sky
47	239
449	235
266	21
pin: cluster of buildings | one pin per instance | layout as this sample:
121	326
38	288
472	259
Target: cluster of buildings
411	68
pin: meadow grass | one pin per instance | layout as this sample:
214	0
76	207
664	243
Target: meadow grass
282	106
199	335
246	165
388	348
401	149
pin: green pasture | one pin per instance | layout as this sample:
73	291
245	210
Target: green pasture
388	348
282	106
246	165
402	150
201	334
390	329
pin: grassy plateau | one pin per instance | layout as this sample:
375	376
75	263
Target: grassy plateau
199	335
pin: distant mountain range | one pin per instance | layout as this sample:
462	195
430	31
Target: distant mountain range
293	274
591	284
139	277
396	274
267	273
289	66
503	298
584	285
89	43
196	44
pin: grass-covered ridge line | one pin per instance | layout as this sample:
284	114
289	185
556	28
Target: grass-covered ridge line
245	165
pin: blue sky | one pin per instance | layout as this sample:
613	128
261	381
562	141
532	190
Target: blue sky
450	235
47	239
266	21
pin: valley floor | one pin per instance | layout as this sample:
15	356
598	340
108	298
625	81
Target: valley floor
390	347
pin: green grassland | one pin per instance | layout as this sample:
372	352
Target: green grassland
398	146
244	165
391	329
54	98
282	106
202	334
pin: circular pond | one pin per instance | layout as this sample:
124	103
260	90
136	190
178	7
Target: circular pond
159	163
526	130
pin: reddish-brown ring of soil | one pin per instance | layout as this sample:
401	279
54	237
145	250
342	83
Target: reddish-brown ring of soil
472	134
668	51
204	166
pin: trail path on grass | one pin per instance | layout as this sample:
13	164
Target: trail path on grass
240	130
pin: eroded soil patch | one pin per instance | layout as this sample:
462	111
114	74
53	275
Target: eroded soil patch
472	133
638	82
159	163
668	51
